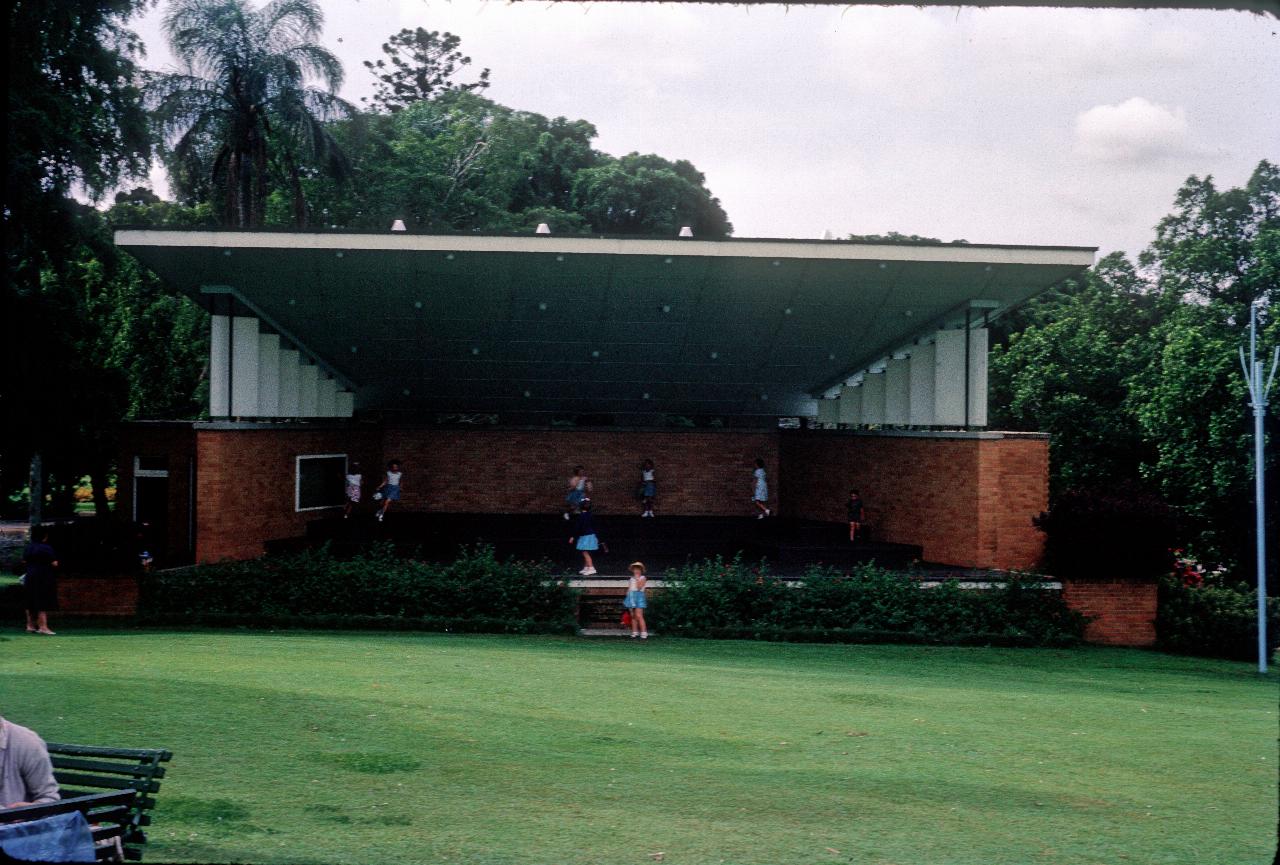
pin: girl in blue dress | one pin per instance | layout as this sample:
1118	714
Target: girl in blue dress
635	602
586	541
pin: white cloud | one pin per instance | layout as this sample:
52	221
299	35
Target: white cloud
1131	131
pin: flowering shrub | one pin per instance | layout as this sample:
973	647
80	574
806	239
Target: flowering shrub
1203	612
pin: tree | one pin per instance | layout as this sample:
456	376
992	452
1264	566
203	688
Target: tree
647	194
1066	372
243	119
75	121
420	64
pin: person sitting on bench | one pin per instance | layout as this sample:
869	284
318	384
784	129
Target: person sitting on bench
26	773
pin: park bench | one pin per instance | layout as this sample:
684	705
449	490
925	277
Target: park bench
86	769
110	817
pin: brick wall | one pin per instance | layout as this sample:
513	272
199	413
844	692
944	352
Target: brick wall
704	472
245	483
99	596
966	500
1123	611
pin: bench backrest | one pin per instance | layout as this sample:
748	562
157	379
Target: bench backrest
82	769
109	814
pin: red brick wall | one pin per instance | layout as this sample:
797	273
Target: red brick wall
707	472
245	483
1123	611
99	596
966	500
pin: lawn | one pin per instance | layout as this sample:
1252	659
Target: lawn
364	748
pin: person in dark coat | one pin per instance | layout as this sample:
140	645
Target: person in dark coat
40	582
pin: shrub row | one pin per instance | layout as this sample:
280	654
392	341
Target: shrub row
719	598
475	592
1214	621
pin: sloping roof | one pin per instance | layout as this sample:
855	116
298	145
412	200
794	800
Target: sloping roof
596	324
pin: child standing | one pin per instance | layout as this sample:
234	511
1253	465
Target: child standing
760	492
854	507
634	602
389	490
585	541
648	488
354	480
579	486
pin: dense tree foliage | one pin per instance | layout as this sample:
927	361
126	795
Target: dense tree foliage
1135	372
242	119
75	123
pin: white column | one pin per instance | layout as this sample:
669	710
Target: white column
873	398
978	340
897	392
219	358
345	403
244	366
850	405
948	379
921	375
326	396
268	375
308	383
290	390
828	411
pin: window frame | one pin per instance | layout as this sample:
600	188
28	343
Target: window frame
297	479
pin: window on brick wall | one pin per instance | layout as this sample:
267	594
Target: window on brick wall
319	481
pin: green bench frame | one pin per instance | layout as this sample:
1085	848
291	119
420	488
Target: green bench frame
83	770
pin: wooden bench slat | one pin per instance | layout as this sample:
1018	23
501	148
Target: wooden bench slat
131	769
158	754
94	805
73	779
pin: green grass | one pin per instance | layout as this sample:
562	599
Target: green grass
355	748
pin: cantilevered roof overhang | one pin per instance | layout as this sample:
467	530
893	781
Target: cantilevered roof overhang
572	324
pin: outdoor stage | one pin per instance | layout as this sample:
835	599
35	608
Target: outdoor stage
789	545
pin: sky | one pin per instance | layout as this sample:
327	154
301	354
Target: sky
1035	126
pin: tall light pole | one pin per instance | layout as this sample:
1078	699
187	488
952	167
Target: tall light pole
1258	392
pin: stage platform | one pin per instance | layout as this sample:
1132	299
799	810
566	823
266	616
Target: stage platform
662	542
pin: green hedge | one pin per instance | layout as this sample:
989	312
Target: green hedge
719	598
475	592
1214	621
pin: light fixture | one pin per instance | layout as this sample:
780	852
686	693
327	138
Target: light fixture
398	225
595	353
776	263
787	311
226	252
714	355
831	355
559	258
405	391
686	231
883	266
474	351
354	349
666	261
542	228
644	395
666	307
293	301
528	394
543	306
338	254
449	257
417	304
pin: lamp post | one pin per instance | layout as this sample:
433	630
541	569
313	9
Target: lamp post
1258	392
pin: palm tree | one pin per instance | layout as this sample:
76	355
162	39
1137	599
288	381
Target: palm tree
244	104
